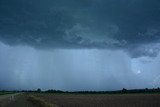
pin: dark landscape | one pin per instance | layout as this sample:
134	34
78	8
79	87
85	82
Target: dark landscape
57	98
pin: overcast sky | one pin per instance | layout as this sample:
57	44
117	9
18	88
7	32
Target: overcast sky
79	44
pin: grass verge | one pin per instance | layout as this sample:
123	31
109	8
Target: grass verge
40	102
4	93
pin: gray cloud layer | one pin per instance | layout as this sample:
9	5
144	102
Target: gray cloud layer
104	24
23	67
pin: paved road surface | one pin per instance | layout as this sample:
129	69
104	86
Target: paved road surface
15	100
9	96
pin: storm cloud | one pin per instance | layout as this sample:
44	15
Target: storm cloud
79	44
102	24
26	68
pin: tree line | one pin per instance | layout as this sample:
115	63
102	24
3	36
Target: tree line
123	91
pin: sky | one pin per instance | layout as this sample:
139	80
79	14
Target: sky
78	45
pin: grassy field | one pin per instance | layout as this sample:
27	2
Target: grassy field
101	100
4	92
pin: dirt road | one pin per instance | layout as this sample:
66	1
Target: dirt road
15	100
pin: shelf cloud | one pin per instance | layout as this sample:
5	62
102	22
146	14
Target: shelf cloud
101	24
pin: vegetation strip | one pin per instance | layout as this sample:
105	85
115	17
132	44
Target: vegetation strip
4	92
40	102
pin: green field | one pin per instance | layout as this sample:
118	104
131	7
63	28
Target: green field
5	92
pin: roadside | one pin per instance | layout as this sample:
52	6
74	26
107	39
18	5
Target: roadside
8	96
15	100
40	102
5	99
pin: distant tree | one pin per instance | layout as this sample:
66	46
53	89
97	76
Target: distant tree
38	90
124	90
146	89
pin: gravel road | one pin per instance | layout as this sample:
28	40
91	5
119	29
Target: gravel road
15	100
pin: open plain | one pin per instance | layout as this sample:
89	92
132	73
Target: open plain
79	100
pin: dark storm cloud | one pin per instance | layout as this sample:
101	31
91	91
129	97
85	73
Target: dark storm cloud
108	24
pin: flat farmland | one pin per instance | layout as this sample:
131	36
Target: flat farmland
101	100
79	100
